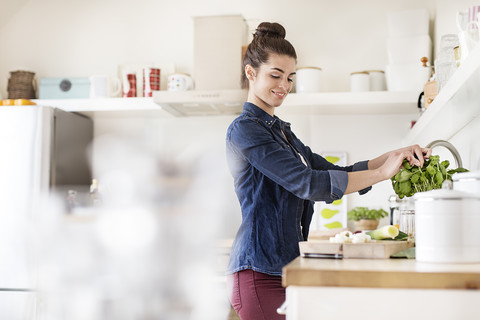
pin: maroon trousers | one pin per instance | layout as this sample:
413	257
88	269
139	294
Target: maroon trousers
255	295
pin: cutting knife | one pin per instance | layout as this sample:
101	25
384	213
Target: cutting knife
319	255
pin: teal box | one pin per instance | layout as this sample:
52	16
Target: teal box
64	88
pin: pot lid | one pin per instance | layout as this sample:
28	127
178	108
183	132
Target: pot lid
472	175
444	194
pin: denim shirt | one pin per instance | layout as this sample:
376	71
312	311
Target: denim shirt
277	179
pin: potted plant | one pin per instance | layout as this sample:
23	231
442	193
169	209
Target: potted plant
365	218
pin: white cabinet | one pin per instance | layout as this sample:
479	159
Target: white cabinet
333	303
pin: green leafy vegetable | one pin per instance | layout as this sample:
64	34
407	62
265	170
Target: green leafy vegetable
401	236
411	180
360	213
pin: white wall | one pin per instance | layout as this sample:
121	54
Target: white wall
56	38
468	147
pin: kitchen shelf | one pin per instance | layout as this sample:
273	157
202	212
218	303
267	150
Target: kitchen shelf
340	103
108	107
343	103
457	104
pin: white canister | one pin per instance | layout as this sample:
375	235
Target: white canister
308	79
179	82
467	182
359	81
446	226
377	80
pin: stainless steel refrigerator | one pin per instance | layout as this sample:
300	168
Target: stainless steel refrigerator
42	149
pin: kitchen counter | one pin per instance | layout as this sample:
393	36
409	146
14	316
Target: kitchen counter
386	288
381	273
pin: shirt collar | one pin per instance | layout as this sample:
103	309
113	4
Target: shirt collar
263	116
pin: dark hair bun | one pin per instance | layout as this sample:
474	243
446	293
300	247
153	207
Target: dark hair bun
269	29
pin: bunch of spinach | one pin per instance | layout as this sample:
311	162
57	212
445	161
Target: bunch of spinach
430	176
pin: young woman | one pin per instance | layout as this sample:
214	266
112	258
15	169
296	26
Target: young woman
277	178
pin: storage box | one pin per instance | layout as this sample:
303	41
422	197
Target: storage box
217	47
64	88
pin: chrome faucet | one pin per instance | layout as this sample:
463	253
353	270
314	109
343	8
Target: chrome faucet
450	147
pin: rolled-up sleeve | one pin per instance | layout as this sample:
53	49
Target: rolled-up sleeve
338	181
360	166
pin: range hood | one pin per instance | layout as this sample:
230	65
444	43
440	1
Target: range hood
201	103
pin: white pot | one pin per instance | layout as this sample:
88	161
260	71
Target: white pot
309	79
467	182
446	226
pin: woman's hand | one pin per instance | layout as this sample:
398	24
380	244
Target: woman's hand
393	163
417	155
386	166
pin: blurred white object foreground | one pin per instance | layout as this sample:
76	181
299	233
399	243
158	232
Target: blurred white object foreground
145	252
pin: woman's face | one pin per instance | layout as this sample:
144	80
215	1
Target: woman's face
270	84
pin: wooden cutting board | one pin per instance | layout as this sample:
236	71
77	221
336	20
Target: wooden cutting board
371	250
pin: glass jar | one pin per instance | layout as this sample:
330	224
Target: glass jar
407	224
445	63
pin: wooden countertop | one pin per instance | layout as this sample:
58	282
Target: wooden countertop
380	273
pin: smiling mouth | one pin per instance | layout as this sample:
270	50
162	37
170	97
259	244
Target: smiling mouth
280	94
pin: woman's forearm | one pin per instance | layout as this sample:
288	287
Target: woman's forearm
377	162
358	180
